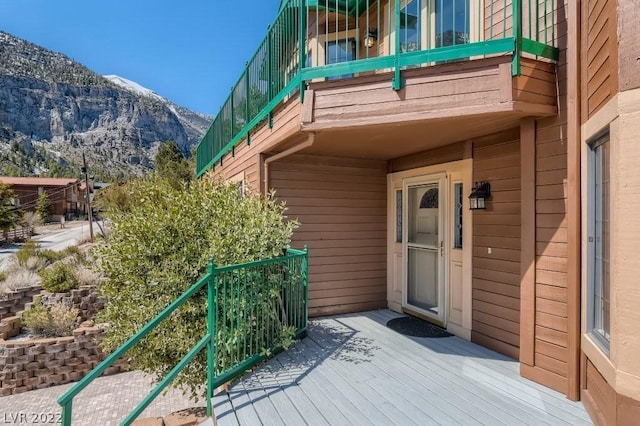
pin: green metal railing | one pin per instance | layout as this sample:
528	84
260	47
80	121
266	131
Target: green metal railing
252	310
329	39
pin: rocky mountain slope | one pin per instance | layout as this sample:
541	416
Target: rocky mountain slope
52	109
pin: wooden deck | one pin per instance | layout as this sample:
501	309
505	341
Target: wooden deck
353	370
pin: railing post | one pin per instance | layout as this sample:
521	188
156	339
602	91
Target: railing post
233	118
66	413
305	282
302	21
269	71
397	78
246	101
517	35
212	308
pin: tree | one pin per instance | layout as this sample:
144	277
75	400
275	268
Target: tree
42	208
114	198
160	246
172	165
10	215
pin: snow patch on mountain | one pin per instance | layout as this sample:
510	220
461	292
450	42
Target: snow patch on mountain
132	86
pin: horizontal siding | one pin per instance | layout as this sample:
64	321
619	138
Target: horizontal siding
551	351
246	159
449	86
600	48
536	83
341	205
496	275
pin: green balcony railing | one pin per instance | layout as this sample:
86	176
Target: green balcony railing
338	39
251	309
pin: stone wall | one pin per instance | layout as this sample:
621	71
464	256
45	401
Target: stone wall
36	364
9	327
85	299
13	302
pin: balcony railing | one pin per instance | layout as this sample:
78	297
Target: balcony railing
345	38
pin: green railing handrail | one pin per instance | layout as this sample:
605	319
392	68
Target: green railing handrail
208	340
66	400
291	20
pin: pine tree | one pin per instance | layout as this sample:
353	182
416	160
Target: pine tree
42	208
10	215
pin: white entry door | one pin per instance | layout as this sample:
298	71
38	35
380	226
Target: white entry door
424	243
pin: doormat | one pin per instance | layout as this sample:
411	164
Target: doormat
410	326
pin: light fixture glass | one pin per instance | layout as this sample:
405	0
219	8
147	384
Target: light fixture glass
371	38
477	198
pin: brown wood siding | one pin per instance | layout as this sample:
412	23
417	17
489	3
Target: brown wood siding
498	22
445	154
599	397
496	275
286	123
600	54
551	349
536	84
341	205
604	405
435	89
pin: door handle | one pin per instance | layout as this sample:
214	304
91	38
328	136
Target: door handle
441	248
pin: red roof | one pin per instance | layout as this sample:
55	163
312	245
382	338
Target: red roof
37	181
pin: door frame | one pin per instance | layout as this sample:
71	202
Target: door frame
460	292
442	180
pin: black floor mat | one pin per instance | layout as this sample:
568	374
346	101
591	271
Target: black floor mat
410	326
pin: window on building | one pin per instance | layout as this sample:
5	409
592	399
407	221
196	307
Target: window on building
399	216
410	25
457	215
599	252
339	51
452	22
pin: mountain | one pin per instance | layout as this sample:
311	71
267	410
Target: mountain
52	109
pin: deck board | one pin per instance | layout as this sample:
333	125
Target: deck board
353	370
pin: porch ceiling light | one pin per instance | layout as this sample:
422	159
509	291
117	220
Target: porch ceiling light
481	191
371	38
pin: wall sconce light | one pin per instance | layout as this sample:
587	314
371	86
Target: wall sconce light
481	191
371	38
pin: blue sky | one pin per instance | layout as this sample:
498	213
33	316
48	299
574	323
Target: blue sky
191	52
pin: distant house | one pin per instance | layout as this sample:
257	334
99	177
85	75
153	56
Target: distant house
63	193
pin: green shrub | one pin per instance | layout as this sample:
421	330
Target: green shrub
160	246
60	278
28	250
57	321
3	276
50	256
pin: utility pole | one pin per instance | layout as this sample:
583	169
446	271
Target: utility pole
86	183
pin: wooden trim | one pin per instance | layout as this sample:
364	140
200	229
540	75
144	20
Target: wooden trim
528	241
573	202
306	115
467	149
506	82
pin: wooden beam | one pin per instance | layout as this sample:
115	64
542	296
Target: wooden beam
306	115
573	201
527	241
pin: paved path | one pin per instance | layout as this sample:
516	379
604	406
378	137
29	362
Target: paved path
52	238
105	402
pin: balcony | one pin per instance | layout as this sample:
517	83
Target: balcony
505	49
